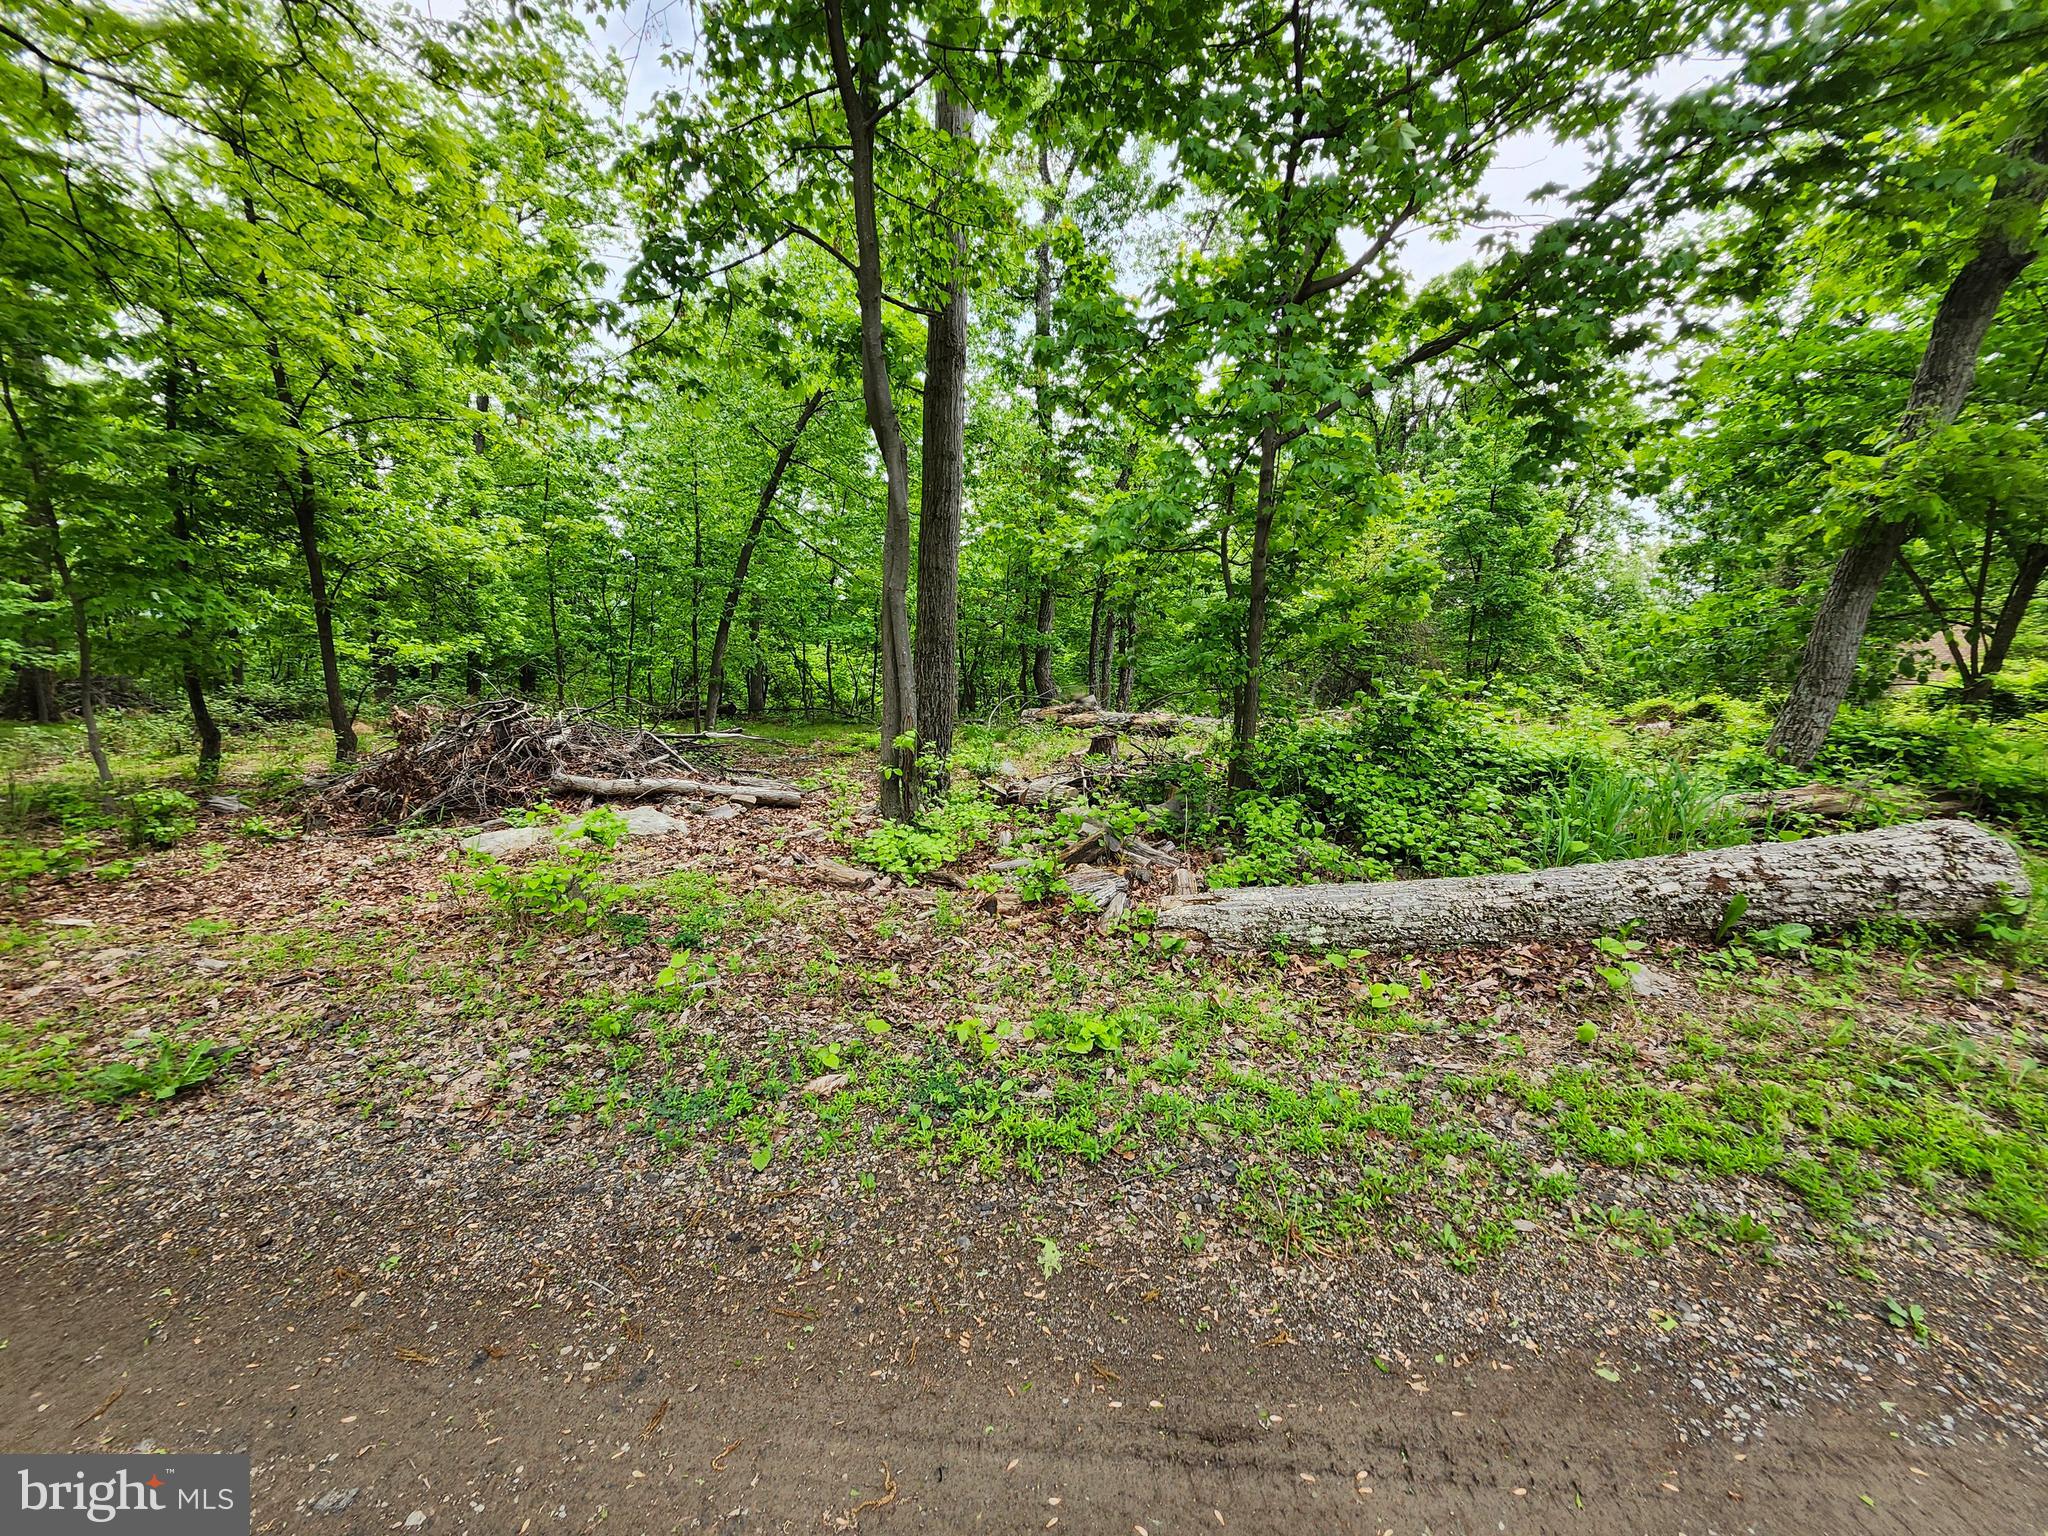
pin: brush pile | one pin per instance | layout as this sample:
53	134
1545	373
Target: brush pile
477	761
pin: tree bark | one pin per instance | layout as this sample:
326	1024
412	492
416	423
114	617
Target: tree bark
1042	686
2033	566
942	492
1127	671
714	685
1942	872
2006	247
899	680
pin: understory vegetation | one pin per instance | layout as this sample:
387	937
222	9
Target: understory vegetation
1792	1089
1035	437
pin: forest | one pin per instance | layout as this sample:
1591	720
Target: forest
917	369
832	764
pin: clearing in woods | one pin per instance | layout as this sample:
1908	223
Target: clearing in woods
775	1203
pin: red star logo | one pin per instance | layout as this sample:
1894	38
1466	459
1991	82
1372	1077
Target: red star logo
155	1481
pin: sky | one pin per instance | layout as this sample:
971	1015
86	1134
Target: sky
643	29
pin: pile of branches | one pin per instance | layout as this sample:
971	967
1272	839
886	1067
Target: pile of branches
476	761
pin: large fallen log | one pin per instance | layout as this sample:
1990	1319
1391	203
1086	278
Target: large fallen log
633	789
1084	714
1941	872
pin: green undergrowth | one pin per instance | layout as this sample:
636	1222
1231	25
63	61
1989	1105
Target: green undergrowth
1324	1144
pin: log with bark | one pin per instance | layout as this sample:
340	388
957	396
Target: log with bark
1946	873
1085	714
634	789
1825	802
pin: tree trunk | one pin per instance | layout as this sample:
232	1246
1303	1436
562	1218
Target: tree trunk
899	680
1943	872
714	685
2033	565
306	514
203	724
1244	728
2006	246
1096	671
1127	673
44	509
1042	687
941	495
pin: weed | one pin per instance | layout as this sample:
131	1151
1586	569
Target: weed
160	818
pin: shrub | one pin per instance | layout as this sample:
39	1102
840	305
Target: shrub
1999	768
23	862
1417	782
567	887
1280	844
947	830
158	818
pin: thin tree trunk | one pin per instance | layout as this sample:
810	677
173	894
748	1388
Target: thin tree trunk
899	680
203	724
1127	674
942	492
44	509
1244	727
1948	368
714	685
1096	673
306	515
697	701
2033	566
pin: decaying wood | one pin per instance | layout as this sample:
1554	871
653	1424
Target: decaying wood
1109	892
1941	872
1828	802
497	753
1051	789
634	789
1085	714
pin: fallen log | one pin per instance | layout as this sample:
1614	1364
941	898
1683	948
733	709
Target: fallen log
1086	715
633	789
1946	873
1824	802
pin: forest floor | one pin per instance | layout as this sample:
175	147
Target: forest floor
760	1212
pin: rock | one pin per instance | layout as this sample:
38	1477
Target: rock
334	1501
646	821
1648	981
510	840
640	820
226	805
415	1520
722	813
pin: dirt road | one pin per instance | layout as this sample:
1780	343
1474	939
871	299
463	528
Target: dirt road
579	1350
